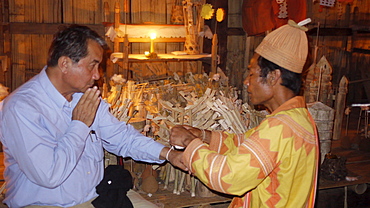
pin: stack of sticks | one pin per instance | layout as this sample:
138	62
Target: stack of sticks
194	100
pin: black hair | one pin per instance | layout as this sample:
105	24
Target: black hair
72	42
291	80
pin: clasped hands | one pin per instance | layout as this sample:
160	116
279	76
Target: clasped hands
180	137
87	106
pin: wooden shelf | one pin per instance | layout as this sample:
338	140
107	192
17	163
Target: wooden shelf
163	57
157	40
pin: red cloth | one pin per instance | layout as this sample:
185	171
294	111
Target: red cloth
260	16
348	1
257	16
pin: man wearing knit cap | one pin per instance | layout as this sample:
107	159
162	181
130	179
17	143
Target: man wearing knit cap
274	164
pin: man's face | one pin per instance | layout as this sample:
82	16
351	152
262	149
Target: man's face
83	74
258	88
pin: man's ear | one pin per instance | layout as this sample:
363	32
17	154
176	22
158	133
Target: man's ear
273	77
64	63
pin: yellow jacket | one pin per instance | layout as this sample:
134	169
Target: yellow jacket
272	165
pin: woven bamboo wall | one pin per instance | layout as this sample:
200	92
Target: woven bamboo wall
28	54
28	51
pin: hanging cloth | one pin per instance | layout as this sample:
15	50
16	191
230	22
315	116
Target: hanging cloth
260	16
296	11
257	16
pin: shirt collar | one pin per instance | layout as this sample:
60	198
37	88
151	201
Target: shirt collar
51	91
295	102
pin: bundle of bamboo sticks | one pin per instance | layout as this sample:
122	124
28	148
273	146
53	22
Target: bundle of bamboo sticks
194	100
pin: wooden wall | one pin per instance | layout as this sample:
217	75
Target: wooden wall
28	26
344	35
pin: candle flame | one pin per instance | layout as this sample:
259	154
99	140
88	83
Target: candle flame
153	36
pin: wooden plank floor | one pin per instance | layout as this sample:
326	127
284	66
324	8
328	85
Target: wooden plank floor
167	199
356	149
357	164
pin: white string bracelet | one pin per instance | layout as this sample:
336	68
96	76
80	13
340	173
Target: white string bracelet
177	147
203	135
168	153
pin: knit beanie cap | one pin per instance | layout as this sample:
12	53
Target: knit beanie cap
286	46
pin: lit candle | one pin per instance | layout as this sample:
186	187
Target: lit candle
152	37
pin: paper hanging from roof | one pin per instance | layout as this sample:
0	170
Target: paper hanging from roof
143	31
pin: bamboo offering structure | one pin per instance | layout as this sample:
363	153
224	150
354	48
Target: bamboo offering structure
194	100
193	23
318	83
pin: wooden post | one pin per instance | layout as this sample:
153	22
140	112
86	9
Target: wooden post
340	102
109	65
3	59
214	54
125	57
116	44
191	43
106	12
116	26
126	10
222	32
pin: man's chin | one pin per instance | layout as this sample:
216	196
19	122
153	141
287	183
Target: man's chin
89	86
254	102
250	99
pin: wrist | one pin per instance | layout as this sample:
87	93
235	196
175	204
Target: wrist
168	153
203	135
206	136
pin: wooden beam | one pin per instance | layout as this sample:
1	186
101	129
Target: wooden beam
361	50
45	28
330	32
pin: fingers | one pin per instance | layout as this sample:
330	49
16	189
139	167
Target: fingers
175	158
180	136
188	127
95	100
182	167
90	98
175	136
87	106
179	165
